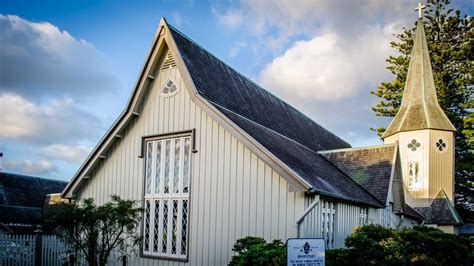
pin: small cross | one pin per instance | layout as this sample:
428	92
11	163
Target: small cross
419	8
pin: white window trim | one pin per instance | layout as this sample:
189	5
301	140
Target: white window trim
328	223
363	216
152	195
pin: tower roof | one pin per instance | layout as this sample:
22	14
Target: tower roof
419	108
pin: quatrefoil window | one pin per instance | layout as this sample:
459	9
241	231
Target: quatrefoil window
441	145
169	88
413	145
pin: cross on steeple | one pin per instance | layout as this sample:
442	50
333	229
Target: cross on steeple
419	8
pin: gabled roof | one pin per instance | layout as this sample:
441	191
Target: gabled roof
419	108
224	87
22	197
370	167
441	211
249	109
284	131
324	177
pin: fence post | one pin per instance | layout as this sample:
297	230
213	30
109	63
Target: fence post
38	247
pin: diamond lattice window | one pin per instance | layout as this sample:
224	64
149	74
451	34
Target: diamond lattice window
166	212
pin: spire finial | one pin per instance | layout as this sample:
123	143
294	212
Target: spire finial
419	8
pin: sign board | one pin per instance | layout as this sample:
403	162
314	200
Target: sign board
305	252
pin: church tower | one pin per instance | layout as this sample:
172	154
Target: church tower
423	132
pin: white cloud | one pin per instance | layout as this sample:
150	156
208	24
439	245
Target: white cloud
328	67
75	154
234	50
231	18
58	121
324	56
39	59
28	167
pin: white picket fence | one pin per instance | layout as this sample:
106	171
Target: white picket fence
21	250
17	250
54	251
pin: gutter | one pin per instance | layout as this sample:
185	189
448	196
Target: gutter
305	213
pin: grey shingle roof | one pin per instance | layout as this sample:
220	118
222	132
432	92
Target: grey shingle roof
22	197
281	129
371	167
409	211
224	87
311	166
441	211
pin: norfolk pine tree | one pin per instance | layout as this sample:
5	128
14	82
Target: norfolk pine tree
450	42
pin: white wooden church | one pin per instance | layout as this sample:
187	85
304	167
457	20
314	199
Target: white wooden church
214	157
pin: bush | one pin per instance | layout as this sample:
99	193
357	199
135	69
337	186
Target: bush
377	245
371	245
256	251
337	257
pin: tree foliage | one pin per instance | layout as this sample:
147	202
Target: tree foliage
377	245
451	46
97	230
256	251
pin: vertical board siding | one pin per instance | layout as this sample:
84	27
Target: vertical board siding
346	220
233	192
441	164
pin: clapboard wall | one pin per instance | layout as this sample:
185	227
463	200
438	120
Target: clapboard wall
346	218
234	193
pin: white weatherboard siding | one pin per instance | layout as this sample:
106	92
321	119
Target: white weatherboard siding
346	218
233	192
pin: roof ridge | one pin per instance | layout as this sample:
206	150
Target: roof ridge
358	148
35	177
253	82
269	129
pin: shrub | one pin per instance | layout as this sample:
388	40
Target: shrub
376	245
370	245
256	251
337	257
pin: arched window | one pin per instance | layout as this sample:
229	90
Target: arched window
169	88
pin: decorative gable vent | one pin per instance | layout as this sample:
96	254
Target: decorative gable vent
169	62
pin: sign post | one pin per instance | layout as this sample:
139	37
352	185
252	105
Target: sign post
305	252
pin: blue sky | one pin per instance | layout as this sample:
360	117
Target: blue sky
67	68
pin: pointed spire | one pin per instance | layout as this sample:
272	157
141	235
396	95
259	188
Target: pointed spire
419	108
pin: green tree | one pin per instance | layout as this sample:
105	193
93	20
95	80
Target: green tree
96	230
451	45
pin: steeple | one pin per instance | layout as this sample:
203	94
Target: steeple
419	108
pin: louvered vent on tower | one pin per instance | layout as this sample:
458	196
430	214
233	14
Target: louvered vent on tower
169	62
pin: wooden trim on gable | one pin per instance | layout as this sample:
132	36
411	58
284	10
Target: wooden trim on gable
295	182
124	117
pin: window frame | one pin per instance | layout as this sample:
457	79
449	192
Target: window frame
169	94
144	197
328	223
441	140
414	176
